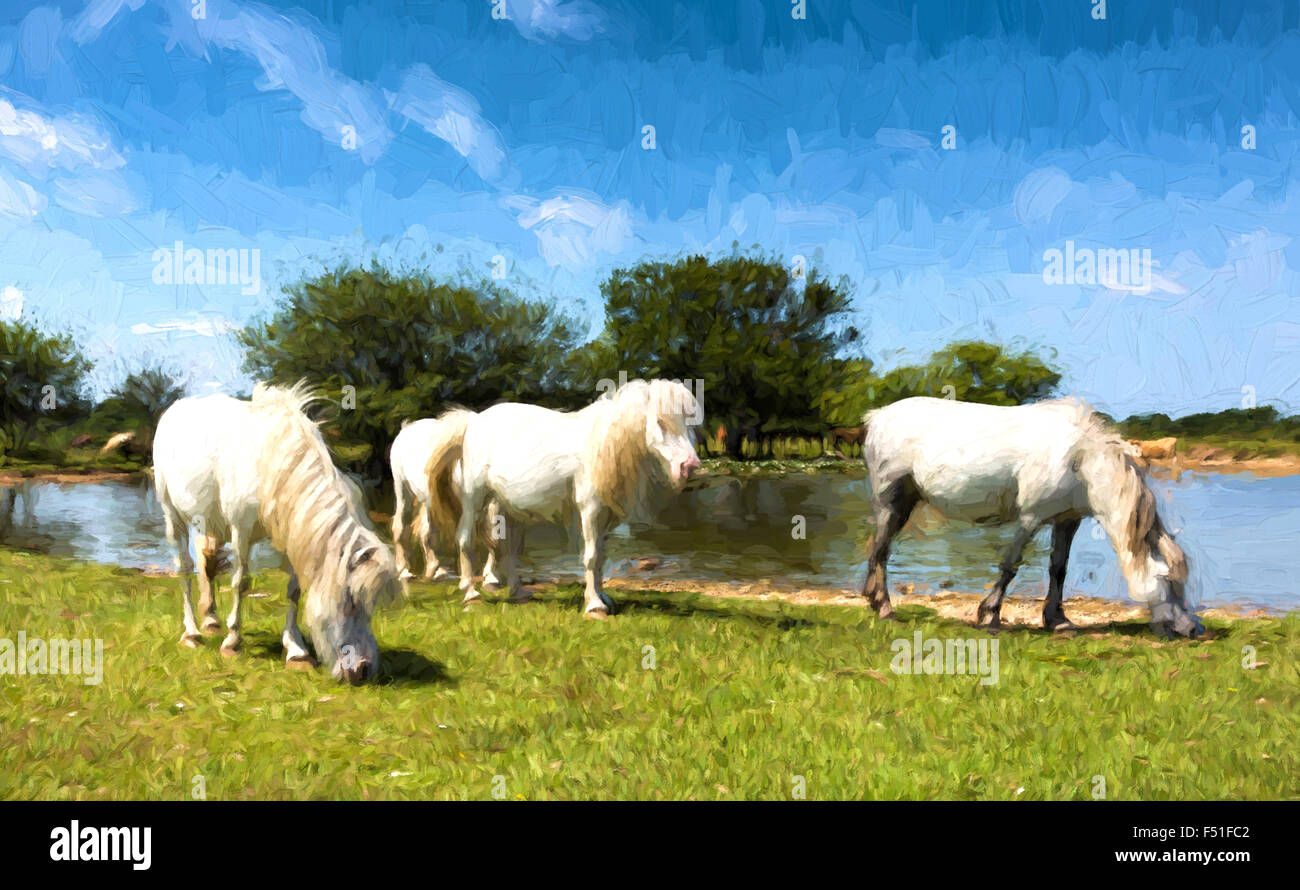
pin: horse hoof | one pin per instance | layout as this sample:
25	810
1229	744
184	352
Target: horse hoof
300	663
471	602
596	614
193	641
230	650
211	626
1065	625
523	596
440	574
405	575
491	586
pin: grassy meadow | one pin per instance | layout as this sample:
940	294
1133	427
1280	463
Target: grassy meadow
743	696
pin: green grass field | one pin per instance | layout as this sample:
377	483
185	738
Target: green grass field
743	698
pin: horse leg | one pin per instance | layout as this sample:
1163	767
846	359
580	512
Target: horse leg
296	656
400	528
495	519
239	542
208	584
894	505
991	605
178	536
433	570
471	503
1062	536
595	603
514	548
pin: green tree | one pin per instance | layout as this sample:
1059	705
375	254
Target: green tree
987	373
42	383
138	402
390	347
763	343
970	371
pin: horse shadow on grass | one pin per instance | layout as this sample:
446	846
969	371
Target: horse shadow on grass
690	606
679	606
397	666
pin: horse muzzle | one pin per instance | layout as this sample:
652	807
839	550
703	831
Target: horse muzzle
354	670
682	470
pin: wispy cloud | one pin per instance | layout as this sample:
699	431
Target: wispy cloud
344	111
573	227
11	303
541	20
18	200
40	141
452	115
203	327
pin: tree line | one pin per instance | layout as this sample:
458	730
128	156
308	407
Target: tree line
775	353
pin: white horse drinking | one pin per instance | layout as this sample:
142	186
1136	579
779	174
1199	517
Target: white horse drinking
242	471
539	464
413	513
1050	462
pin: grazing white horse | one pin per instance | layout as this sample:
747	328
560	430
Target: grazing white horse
539	464
1050	462
242	471
413	515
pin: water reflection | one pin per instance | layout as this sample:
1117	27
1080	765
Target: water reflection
1239	533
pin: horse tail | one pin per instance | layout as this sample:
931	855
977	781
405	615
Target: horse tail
444	499
865	430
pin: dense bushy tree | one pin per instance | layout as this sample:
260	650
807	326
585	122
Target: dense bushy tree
763	342
42	383
389	347
969	371
137	403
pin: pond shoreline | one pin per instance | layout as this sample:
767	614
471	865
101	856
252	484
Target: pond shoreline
1264	467
1088	613
1017	610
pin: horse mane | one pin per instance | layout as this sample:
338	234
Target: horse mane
312	512
1135	521
616	450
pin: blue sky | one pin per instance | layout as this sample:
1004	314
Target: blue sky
437	134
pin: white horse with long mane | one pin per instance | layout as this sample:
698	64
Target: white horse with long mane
601	461
242	471
1049	462
413	510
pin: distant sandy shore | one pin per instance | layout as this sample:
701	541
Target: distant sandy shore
13	476
1282	465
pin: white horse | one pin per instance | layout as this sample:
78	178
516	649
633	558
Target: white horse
413	515
242	471
539	464
1050	462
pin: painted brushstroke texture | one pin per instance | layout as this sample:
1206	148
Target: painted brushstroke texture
435	134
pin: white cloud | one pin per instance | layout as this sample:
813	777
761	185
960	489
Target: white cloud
41	142
539	20
452	115
11	303
293	58
573	227
18	200
204	327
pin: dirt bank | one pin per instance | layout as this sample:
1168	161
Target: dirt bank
12	477
1084	611
1214	460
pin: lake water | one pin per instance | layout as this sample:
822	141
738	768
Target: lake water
1239	532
